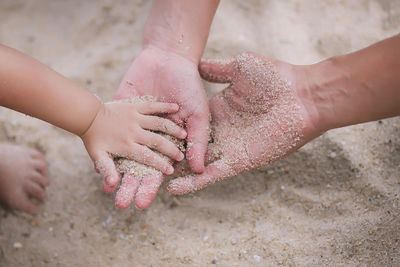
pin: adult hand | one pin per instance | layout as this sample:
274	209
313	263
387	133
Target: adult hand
174	79
271	108
262	116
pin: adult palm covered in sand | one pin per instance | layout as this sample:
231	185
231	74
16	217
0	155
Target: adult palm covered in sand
271	108
257	119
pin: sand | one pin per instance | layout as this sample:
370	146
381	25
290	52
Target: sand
334	202
250	131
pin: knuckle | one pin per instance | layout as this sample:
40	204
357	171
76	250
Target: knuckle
176	129
134	130
134	116
158	141
148	155
155	145
151	105
159	123
165	127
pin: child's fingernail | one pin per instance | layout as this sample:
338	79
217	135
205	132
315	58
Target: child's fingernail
170	170
183	134
180	157
111	181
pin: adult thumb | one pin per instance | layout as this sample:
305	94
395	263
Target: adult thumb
217	70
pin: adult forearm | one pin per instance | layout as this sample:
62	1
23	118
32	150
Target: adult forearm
32	88
358	87
180	26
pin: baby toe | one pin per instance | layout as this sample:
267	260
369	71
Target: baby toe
35	190
40	167
29	207
35	153
40	179
22	202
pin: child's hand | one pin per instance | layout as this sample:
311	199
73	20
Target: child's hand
122	130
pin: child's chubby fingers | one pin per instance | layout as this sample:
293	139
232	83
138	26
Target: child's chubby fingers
109	189
105	165
145	155
157	108
160	124
161	144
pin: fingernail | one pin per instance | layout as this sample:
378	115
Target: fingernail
109	181
181	157
183	134
170	170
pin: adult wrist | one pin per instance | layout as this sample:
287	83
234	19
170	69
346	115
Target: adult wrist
165	53
180	27
324	91
171	45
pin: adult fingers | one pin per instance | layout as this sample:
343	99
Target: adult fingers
213	153
214	172
217	70
197	140
127	191
148	190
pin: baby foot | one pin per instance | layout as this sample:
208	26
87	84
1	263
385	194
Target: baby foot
22	177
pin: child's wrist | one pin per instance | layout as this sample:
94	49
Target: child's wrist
97	107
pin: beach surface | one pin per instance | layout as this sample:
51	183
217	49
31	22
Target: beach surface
335	202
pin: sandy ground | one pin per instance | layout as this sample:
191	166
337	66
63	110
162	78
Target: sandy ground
335	202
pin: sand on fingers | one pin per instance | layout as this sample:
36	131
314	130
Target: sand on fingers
335	202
